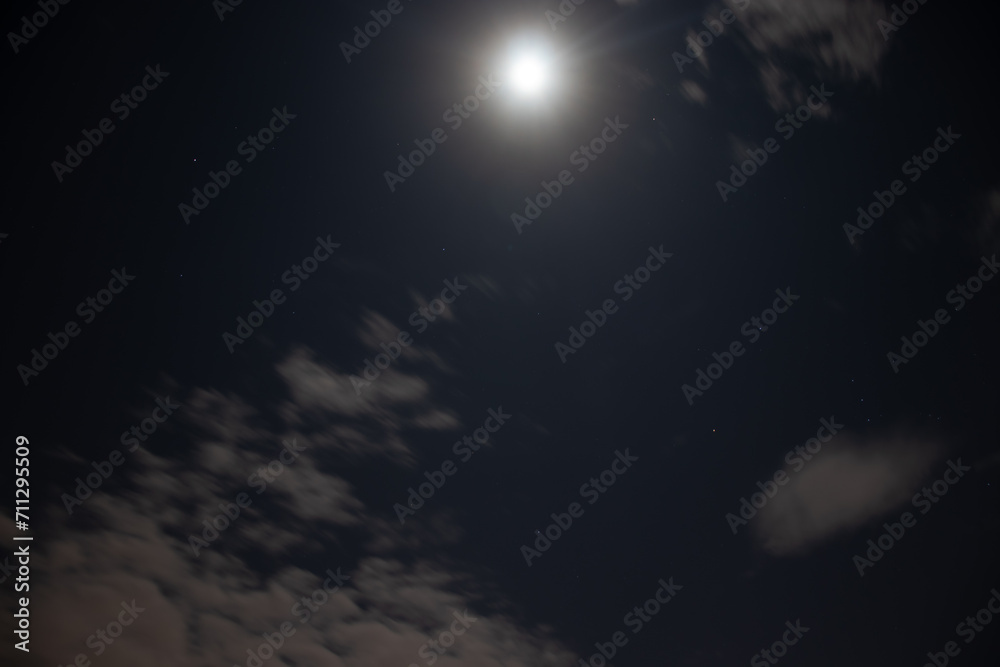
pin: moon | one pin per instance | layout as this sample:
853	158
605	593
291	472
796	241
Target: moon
528	73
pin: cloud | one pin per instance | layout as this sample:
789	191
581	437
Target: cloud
826	41
848	483
840	39
326	409
403	589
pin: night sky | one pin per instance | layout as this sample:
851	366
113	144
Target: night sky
329	342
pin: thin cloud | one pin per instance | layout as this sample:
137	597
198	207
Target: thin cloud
847	484
210	610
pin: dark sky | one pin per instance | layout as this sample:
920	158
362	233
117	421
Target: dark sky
701	206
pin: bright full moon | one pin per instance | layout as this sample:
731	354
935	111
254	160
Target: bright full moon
528	73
